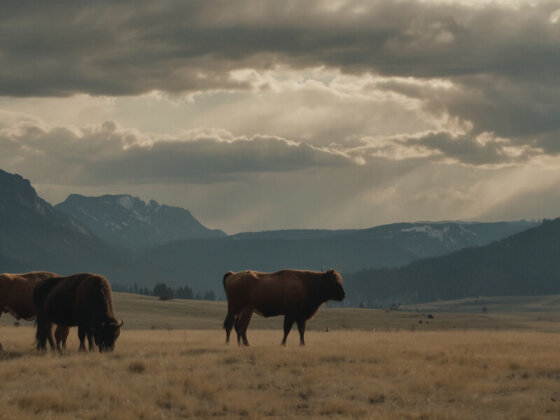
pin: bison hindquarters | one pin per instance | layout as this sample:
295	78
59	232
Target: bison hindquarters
241	323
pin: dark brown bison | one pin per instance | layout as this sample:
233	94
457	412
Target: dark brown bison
296	294
16	298
82	300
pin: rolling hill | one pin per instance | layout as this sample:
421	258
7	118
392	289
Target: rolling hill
202	263
526	263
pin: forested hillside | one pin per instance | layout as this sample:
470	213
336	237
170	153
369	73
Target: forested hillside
527	263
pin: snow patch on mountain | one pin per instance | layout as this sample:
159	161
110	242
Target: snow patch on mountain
125	201
428	230
441	232
125	220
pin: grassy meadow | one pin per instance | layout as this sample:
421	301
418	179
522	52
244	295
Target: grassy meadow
171	362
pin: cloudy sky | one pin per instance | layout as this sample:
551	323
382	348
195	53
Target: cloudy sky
288	114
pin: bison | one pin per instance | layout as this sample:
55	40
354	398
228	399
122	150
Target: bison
83	300
16	298
296	294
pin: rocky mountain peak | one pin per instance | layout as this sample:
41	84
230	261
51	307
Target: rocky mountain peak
125	220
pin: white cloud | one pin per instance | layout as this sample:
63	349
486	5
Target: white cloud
100	155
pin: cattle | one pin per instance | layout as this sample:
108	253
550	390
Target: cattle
16	297
296	294
83	300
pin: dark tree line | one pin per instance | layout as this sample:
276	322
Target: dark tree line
165	292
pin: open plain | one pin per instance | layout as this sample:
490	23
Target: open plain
171	362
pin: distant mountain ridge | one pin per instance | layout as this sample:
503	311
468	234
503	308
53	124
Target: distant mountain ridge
34	234
127	221
526	263
429	239
292	234
204	262
421	239
131	242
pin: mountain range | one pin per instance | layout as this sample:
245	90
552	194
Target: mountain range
34	235
526	263
133	242
128	222
204	262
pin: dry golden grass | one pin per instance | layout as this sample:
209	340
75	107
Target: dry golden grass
340	374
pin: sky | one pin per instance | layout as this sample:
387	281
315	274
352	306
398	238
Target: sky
266	114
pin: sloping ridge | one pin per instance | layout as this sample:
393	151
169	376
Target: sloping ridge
201	263
526	263
34	233
128	222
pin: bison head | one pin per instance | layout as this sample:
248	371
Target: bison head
333	285
106	334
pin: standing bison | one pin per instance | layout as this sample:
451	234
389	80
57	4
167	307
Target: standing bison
16	297
82	300
296	294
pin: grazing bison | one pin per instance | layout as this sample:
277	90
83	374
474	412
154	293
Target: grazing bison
82	300
16	297
296	294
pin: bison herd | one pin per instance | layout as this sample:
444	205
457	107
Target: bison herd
82	300
85	301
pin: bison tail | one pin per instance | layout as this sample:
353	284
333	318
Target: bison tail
229	273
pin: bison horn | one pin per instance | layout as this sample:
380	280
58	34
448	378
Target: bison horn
121	324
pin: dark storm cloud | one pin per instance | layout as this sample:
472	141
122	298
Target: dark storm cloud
61	47
508	109
500	59
106	154
523	111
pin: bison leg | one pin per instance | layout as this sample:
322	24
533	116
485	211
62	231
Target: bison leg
228	324
50	338
82	337
61	335
242	324
288	322
44	333
91	344
301	329
238	331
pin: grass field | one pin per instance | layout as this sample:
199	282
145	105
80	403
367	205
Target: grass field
535	313
171	362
